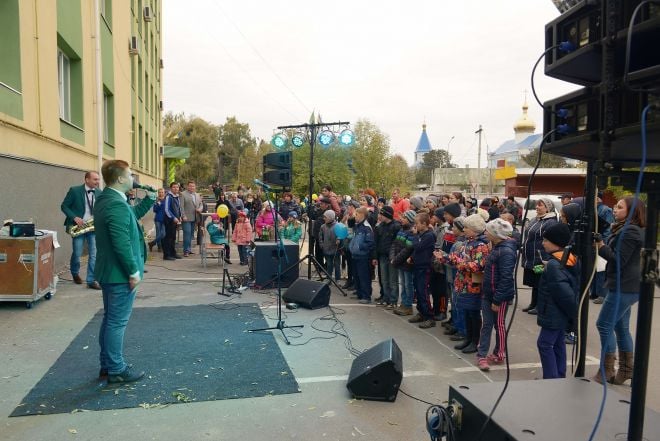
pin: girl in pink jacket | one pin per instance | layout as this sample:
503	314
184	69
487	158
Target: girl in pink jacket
242	236
266	219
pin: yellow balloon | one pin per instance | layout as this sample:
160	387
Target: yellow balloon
303	205
315	197
222	211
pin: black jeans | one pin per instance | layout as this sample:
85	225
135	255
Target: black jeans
170	238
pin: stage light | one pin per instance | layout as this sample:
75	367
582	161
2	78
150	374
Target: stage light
346	137
326	137
279	140
298	139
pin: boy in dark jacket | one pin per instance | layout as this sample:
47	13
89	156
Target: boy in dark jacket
401	250
422	258
362	247
557	304
386	232
497	289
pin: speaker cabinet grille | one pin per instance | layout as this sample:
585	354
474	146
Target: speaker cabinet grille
376	374
265	264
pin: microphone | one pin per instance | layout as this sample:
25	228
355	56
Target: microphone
262	184
143	187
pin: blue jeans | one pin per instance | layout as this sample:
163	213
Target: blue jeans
407	288
332	263
608	325
362	277
389	277
421	280
117	306
552	350
78	244
188	228
242	253
457	314
160	233
598	285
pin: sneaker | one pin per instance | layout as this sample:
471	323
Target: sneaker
378	299
403	310
457	337
483	364
469	349
494	359
427	324
450	331
532	311
364	301
380	302
127	376
571	338
227	261
416	319
390	306
599	300
440	317
462	345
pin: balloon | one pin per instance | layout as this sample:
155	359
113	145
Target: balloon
303	205
315	197
341	231
222	211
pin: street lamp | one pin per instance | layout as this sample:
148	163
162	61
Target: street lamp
444	183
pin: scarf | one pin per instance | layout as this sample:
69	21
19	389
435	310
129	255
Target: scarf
616	226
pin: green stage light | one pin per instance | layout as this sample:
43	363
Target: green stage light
346	138
279	140
298	139
326	137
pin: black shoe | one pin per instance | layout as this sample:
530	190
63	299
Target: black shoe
528	308
103	374
457	337
378	299
532	311
168	258
227	261
469	349
450	330
129	375
94	285
176	256
347	285
462	345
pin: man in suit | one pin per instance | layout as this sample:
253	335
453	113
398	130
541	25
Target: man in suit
120	265
78	206
191	207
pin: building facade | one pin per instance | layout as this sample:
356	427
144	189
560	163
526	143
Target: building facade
423	147
80	82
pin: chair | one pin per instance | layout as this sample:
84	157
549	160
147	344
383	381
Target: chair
208	249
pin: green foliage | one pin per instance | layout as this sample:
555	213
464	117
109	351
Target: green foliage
330	167
547	160
438	159
235	139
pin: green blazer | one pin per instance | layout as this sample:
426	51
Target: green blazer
120	246
73	204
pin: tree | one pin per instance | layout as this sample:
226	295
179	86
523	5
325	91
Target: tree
370	155
438	159
234	138
547	160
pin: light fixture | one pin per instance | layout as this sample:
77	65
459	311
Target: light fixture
326	137
346	137
298	139
279	140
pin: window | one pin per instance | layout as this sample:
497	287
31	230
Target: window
106	11
108	118
64	83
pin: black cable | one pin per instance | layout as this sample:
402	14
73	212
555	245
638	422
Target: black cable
515	281
545	52
415	398
626	68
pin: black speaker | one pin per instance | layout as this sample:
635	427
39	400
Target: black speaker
265	264
376	373
308	294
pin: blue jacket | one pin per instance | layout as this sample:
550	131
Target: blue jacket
558	291
532	247
362	245
159	210
423	246
498	285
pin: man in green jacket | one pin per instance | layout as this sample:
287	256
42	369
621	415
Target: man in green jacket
78	206
119	266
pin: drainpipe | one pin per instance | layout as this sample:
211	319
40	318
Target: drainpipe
99	86
38	68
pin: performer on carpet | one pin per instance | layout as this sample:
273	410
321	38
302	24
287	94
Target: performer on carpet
120	266
78	206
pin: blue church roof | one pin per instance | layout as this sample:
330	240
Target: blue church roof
531	141
423	145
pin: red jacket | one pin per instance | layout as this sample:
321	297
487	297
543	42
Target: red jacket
242	232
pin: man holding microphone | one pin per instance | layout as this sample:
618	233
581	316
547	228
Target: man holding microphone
119	265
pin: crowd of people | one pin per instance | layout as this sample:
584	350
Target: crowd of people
450	257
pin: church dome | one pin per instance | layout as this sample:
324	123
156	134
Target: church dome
524	124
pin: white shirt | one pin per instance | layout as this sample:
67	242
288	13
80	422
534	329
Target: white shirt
90	199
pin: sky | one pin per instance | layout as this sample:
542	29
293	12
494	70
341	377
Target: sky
454	65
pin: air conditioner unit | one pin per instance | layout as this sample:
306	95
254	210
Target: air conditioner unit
161	150
133	46
160	104
148	14
160	64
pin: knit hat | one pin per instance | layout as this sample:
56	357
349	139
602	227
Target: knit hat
294	215
410	216
215	217
548	204
459	223
432	200
439	213
329	214
475	223
417	202
484	214
454	209
387	212
499	228
572	212
241	213
558	233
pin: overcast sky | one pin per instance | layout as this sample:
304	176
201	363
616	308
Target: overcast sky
397	63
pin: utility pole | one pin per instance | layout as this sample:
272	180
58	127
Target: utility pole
479	162
444	183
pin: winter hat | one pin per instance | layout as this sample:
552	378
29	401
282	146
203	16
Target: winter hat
410	216
487	202
387	212
499	228
417	202
215	217
572	212
439	213
324	199
484	214
475	223
241	213
459	223
382	201
369	199
434	201
558	233
354	203
454	209
294	215
548	204
329	214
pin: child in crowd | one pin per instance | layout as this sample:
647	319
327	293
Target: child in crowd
469	277
330	244
386	232
362	246
498	288
438	283
292	230
399	253
242	236
557	303
217	234
422	256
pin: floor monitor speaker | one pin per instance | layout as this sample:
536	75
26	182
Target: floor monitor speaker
308	294
376	373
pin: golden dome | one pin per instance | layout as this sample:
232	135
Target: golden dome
524	124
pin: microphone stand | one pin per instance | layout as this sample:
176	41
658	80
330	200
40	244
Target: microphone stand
280	252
